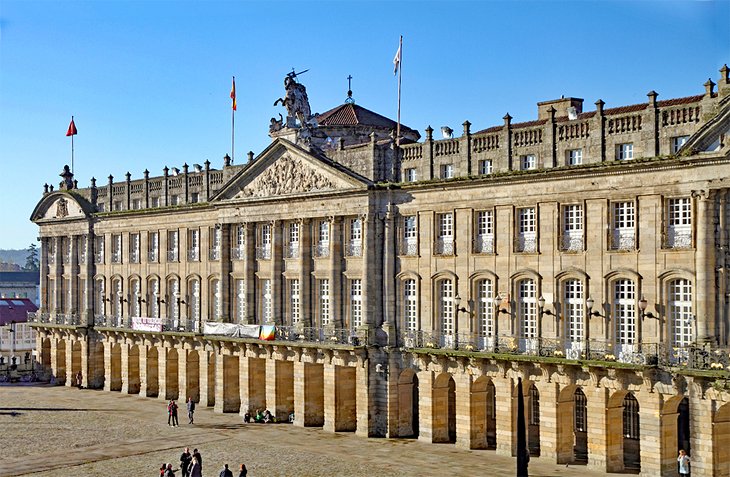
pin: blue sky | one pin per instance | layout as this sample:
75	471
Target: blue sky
148	82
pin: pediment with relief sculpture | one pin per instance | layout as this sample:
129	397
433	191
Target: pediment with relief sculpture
285	170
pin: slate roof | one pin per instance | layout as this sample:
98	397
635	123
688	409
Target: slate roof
15	309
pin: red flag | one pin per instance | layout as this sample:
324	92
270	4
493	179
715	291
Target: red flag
233	93
72	128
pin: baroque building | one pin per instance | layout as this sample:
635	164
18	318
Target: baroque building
400	288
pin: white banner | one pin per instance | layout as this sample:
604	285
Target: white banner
145	323
231	329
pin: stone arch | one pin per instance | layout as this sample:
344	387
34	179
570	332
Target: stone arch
46	353
622	432
408	403
721	441
96	375
192	375
115	367
483	414
444	408
75	361
60	372
572	436
133	376
674	430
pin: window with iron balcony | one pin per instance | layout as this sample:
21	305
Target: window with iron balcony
623	226
292	245
134	242
172	246
216	236
99	250
263	249
322	245
484	232
409	244
679	223
526	240
354	238
153	247
117	248
239	249
194	245
572	230
445	234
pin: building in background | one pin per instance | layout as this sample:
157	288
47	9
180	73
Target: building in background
20	285
17	338
390	287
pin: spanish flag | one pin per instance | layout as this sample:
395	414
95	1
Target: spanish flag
233	93
72	127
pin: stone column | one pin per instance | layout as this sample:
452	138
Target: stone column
182	375
70	378
705	266
205	398
219	405
125	368
54	356
597	399
108	366
251	383
505	421
369	263
143	370
390	319
466	429
549	422
85	367
425	406
308	394
330	412
364	404
701	420
650	405
162	371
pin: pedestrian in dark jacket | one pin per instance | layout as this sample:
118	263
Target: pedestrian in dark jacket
243	471
172	413
226	472
191	410
169	472
196	455
185	459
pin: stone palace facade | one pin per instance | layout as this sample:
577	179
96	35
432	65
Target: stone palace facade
400	288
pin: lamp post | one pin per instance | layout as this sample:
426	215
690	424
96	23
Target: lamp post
542	311
643	303
457	309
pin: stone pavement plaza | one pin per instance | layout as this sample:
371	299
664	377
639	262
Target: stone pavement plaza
60	431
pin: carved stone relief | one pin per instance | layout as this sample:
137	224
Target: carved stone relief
288	175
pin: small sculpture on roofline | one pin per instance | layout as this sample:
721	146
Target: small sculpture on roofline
296	100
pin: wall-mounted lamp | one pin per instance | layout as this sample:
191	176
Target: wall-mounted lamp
457	302
541	307
642	307
589	303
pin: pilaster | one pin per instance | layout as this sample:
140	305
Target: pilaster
125	367
425	406
650	428
504	411
162	373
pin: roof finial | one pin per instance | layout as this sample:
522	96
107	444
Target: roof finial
349	99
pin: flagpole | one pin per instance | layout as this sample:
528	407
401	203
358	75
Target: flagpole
400	74
233	120
72	149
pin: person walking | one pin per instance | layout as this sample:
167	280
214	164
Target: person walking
169	472
683	461
196	455
242	472
185	459
195	467
226	472
191	409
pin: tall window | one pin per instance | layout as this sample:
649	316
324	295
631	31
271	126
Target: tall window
623	223
98	249
216	240
575	157
356	303
445	234
323	239
527	308
528	162
484	240
526	230
446	306
117	248
447	171
134	243
354	242
631	417
263	249
239	243
153	252
194	245
323	290
292	249
117	298
295	302
135	297
173	305
534	406
216	299
581	411
680	312
83	248
624	152
240	287
574	310
267	305
410	236
624	310
100	305
410	305
485	308
194	297
679	223
573	227
173	245
153	297
410	174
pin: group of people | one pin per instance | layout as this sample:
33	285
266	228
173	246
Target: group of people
172	419
265	417
191	465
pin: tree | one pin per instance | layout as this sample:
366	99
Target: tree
31	263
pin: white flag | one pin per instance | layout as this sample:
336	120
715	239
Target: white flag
396	60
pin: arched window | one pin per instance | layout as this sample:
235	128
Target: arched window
624	313
99	304
215	299
410	305
153	297
117	298
173	306
135	291
194	297
574	310
680	316
580	411
240	286
527	308
631	417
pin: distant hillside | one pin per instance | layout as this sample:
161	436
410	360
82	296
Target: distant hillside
14	256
